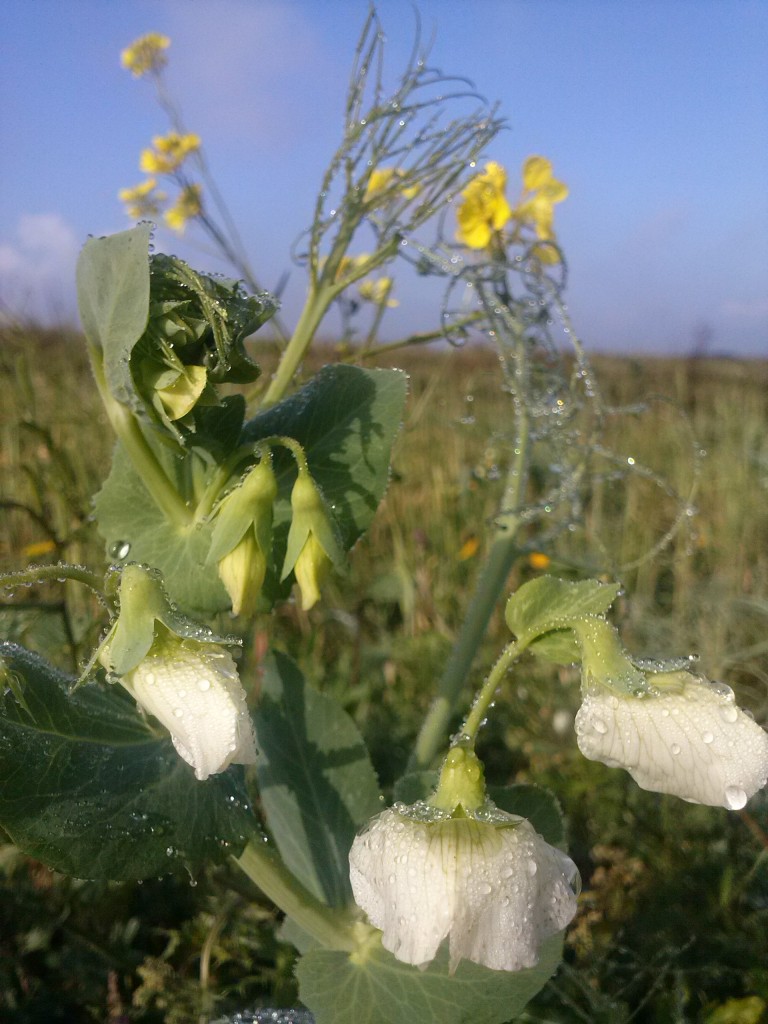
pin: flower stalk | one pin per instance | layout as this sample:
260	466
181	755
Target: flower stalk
333	929
144	460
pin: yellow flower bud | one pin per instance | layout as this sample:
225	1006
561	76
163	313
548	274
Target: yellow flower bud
311	569
242	572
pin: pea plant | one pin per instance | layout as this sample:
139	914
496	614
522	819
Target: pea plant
229	495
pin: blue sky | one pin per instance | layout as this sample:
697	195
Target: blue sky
655	112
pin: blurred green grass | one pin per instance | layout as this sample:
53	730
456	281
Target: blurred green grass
674	917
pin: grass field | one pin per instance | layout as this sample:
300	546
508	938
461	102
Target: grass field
673	921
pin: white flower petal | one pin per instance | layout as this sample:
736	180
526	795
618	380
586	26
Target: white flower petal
195	691
694	742
497	891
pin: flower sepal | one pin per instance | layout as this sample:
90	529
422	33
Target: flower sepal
143	604
242	536
313	547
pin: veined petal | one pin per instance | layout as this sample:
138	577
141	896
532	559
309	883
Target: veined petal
692	741
495	890
194	690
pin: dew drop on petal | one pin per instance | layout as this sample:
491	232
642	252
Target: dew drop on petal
729	713
204	684
735	797
600	726
708	737
675	748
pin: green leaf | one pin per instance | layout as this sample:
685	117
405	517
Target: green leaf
547	603
113	300
381	990
415	786
560	647
88	788
346	419
136	530
536	804
316	782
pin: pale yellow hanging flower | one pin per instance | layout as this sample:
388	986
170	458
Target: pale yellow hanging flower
145	54
188	205
169	152
485	209
378	292
142	200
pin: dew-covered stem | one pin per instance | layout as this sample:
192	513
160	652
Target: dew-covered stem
490	586
332	928
144	461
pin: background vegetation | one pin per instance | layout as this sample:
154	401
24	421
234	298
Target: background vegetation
674	914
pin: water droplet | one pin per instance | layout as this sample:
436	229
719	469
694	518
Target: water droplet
675	749
600	726
178	712
708	737
735	797
120	550
533	867
204	684
729	713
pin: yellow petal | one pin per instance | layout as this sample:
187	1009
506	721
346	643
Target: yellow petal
180	397
537	172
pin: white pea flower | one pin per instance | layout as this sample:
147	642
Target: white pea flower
178	671
482	878
496	889
685	736
194	690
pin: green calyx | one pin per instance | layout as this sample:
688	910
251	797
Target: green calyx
461	787
249	506
143	605
310	517
605	663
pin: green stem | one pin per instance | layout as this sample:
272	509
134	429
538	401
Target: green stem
52	573
143	459
484	699
318	301
432	736
332	928
501	557
421	338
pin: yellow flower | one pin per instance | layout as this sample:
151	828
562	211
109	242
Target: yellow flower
188	205
485	208
538	560
169	153
38	548
542	191
469	548
377	292
145	54
143	200
383	179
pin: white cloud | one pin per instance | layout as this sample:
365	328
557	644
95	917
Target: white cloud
37	264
